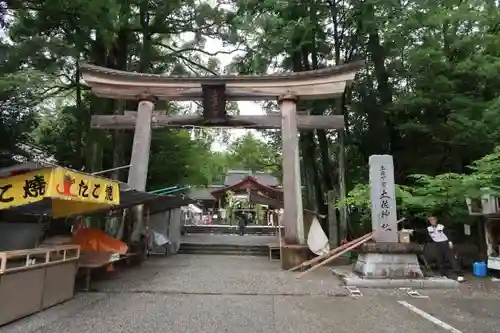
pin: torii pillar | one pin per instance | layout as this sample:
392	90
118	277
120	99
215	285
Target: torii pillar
139	159
293	220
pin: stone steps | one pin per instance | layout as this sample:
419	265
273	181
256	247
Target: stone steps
224	249
228	229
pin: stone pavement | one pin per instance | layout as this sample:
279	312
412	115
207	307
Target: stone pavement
205	294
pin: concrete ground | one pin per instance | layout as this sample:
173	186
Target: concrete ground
209	293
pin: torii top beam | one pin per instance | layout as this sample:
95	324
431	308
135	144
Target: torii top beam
317	84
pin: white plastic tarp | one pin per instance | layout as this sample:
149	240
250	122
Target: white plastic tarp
195	209
317	241
158	239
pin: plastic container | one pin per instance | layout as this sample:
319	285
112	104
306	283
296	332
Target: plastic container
404	235
479	269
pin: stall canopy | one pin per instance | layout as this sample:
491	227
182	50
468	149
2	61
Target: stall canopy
56	191
156	203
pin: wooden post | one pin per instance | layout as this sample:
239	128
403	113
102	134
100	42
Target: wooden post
292	219
280	239
139	159
342	228
333	227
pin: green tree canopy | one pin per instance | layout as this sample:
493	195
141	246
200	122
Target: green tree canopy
249	152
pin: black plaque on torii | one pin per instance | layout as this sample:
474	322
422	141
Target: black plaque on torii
214	108
214	104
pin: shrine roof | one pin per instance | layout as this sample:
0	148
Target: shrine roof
242	182
203	193
236	176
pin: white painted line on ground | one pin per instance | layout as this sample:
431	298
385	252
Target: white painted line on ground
416	294
413	293
354	291
430	318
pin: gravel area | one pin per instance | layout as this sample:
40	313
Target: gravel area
225	275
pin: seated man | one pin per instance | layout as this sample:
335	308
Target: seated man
444	249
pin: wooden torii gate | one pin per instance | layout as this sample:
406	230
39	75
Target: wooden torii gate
214	91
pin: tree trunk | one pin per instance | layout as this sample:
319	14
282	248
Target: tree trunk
387	134
120	52
306	171
94	154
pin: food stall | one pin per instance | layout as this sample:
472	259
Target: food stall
37	278
488	208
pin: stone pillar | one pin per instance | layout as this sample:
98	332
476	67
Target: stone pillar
292	219
383	198
139	160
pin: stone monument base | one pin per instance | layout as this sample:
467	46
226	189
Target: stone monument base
388	261
351	279
390	265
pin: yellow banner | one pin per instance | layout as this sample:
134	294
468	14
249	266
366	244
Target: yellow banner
74	192
65	208
75	186
24	189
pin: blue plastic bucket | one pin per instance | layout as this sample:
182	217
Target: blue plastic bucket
479	269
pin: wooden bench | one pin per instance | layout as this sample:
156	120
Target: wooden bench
89	262
273	247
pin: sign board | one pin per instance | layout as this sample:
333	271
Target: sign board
72	192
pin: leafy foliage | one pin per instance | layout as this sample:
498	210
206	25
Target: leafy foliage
251	153
18	102
441	195
176	159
